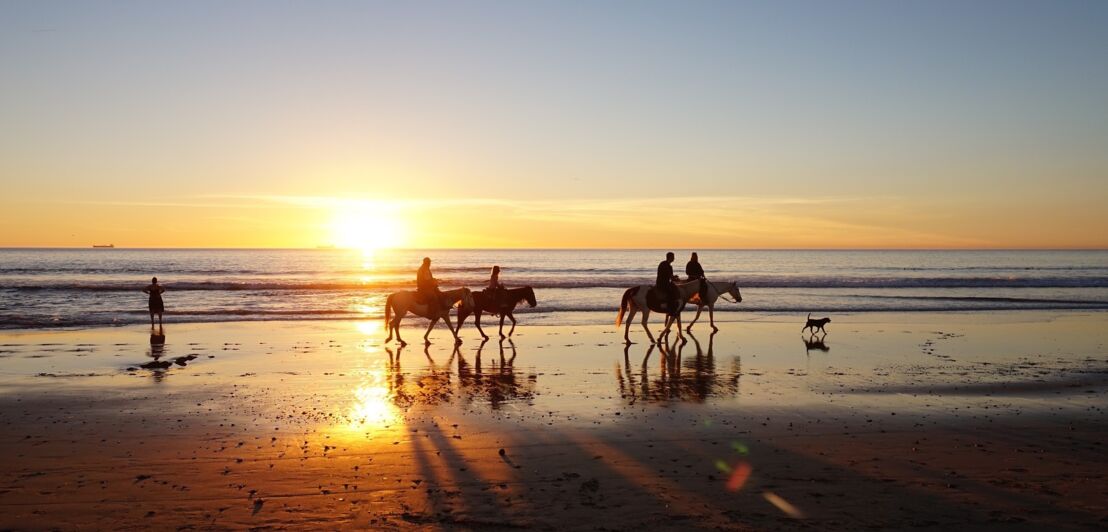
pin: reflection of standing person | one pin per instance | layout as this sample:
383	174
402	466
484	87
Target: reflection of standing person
426	286
156	305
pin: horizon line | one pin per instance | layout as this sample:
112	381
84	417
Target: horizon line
598	248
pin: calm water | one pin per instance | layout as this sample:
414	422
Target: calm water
51	288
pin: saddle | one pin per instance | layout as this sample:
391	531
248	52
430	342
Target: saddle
496	298
658	300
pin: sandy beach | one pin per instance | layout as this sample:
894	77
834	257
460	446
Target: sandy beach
895	421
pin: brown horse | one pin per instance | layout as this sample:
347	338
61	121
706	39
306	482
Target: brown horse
485	301
399	304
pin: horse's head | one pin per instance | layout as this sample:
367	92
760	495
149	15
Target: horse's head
529	294
733	291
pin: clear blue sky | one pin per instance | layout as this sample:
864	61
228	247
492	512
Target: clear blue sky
988	107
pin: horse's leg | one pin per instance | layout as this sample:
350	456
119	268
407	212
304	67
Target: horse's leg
677	318
699	309
502	326
426	340
712	317
513	329
453	331
666	324
645	318
396	325
479	329
627	325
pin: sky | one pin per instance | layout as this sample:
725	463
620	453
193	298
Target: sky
786	124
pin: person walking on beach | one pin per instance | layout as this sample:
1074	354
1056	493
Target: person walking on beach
664	283
156	305
427	288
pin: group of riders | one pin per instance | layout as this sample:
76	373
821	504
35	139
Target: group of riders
427	288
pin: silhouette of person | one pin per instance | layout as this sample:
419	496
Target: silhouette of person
495	289
156	305
695	271
427	288
664	283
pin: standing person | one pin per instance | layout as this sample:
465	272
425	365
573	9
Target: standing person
156	305
664	283
427	287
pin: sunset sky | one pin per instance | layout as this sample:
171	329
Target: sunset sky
925	124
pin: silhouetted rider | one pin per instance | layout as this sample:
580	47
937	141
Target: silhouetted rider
427	288
664	283
495	289
695	271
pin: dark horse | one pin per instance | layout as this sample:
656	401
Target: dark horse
485	301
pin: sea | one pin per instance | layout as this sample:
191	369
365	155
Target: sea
43	288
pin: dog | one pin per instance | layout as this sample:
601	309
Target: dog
813	325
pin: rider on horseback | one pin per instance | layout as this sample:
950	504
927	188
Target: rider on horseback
495	289
695	271
664	285
427	288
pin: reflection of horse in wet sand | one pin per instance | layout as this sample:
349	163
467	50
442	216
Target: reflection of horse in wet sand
485	301
635	299
400	304
694	379
497	384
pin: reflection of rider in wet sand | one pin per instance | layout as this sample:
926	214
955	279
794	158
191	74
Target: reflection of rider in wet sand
427	288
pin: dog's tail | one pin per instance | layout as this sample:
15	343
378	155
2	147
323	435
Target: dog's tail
809	315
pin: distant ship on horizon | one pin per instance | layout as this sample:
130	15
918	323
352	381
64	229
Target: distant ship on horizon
103	245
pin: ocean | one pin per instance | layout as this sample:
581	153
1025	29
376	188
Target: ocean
91	287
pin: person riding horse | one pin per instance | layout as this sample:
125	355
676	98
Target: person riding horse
695	271
427	288
665	287
495	288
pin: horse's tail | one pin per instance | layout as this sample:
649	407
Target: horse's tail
388	310
625	304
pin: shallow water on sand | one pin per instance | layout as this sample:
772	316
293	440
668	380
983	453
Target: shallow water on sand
322	424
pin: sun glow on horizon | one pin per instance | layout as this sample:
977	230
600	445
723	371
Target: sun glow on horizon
368	227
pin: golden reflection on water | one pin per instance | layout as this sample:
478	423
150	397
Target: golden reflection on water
371	409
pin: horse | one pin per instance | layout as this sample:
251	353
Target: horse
401	303
713	291
485	301
634	300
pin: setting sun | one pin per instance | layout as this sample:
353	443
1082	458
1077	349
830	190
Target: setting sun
367	227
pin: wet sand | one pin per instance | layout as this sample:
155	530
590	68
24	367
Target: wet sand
893	421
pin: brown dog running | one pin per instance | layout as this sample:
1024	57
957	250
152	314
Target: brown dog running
815	324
